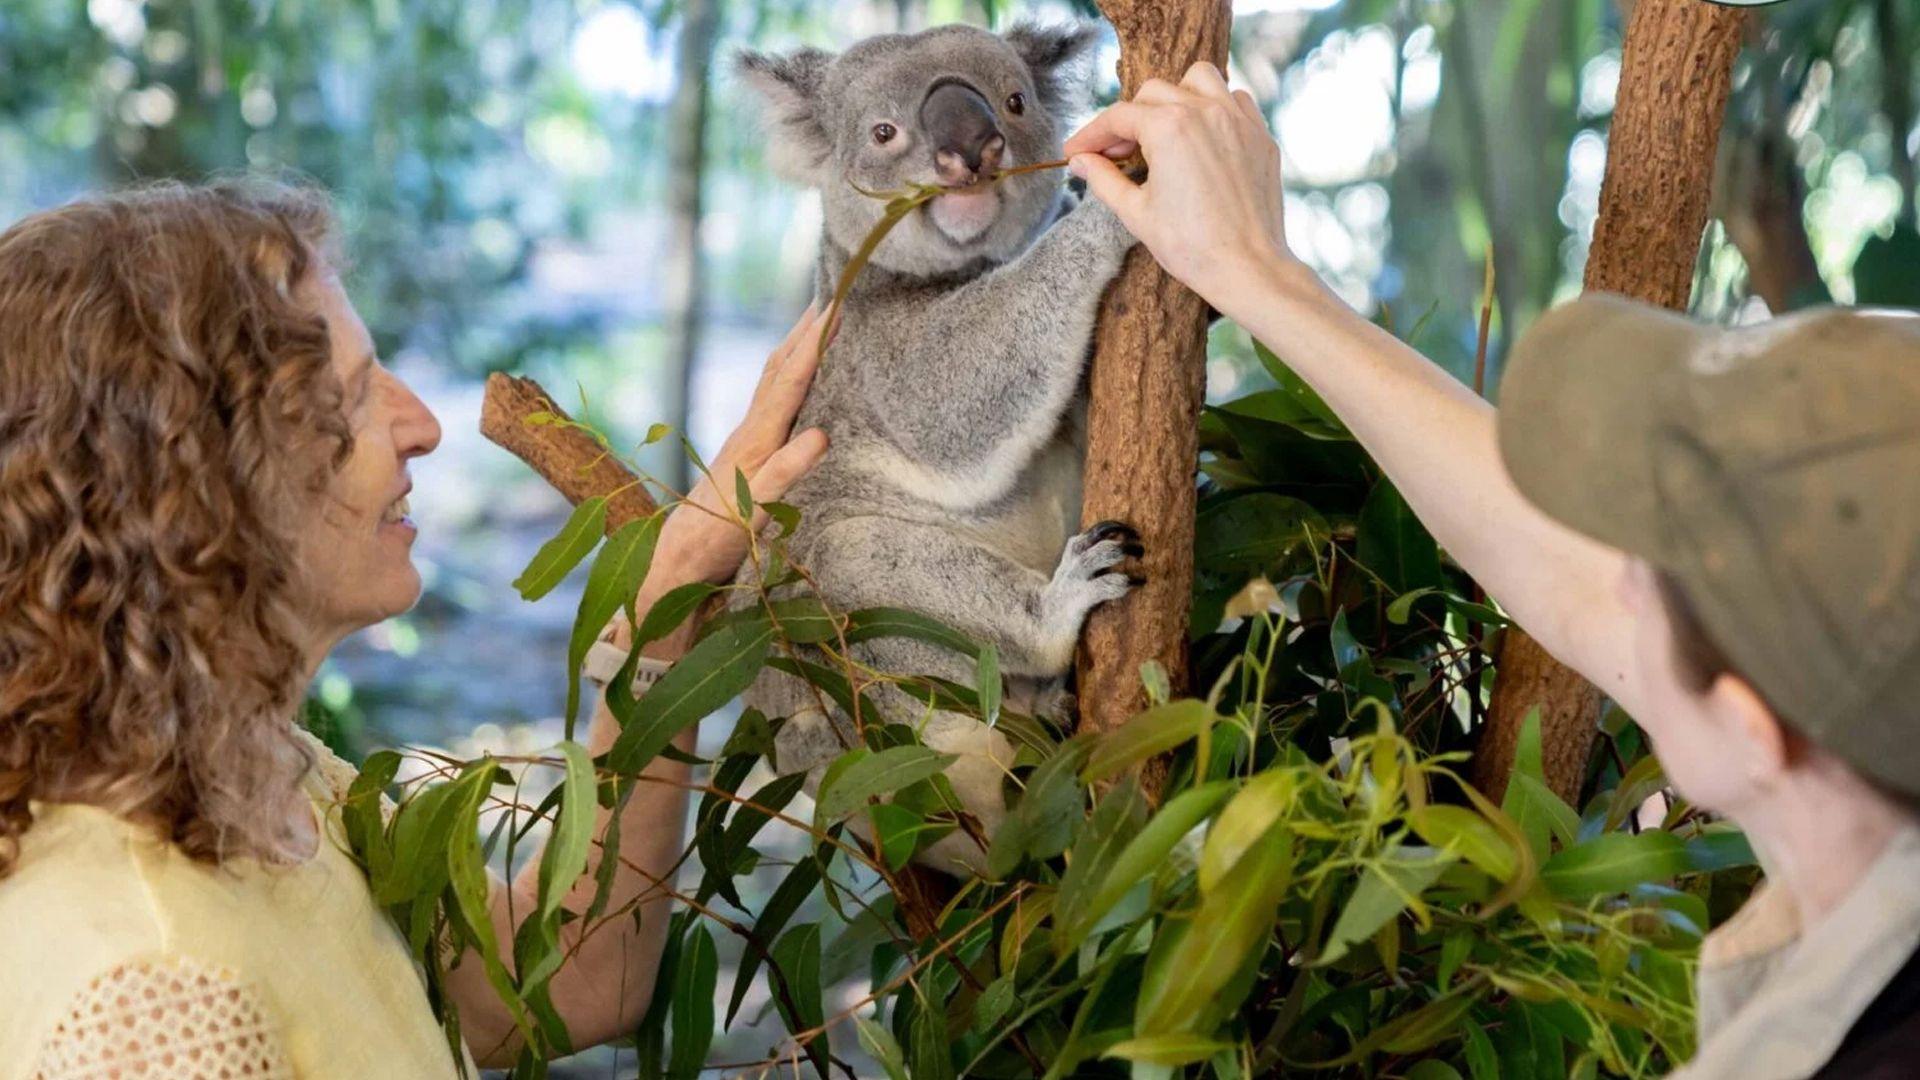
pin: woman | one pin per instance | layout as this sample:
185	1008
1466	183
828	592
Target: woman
203	488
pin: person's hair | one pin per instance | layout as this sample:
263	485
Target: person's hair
168	407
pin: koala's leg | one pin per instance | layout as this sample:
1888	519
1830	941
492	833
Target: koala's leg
997	363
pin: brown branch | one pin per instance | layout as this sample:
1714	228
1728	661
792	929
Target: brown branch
1675	75
577	464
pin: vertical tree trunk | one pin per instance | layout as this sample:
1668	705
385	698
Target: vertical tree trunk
1676	71
686	167
1146	388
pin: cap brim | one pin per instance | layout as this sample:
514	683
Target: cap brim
1578	410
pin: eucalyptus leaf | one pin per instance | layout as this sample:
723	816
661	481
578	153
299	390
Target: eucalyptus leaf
559	555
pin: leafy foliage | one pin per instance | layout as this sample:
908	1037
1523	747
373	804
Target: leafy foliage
1311	886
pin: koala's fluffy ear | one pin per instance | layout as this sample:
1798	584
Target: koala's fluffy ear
799	146
1061	59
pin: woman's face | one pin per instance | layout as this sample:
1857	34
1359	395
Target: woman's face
358	554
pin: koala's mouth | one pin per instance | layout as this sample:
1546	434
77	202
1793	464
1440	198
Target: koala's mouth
963	216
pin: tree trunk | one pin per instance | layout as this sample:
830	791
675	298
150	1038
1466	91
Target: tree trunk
1147	384
1675	74
686	168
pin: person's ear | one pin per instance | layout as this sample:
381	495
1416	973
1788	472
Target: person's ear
1765	741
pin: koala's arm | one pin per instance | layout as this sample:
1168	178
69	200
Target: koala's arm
998	360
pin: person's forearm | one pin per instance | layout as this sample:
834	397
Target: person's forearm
603	989
1435	438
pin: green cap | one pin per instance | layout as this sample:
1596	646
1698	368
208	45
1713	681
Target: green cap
1772	471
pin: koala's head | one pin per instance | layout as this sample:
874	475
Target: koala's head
945	106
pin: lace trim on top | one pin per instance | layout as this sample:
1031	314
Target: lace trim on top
174	1019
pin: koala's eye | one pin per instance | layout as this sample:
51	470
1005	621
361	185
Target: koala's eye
884	133
1017	103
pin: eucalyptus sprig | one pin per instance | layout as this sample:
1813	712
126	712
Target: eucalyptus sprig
903	201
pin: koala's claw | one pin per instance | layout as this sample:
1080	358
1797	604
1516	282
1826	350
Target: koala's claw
1110	530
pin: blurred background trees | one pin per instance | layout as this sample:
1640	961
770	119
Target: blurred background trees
574	190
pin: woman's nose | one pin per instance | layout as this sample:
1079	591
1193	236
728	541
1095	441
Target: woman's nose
417	430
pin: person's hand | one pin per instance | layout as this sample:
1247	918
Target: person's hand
1210	209
702	539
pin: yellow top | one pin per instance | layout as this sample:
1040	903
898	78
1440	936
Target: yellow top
117	952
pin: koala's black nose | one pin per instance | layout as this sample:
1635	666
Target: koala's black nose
961	127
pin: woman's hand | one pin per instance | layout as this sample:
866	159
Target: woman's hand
702	539
1210	209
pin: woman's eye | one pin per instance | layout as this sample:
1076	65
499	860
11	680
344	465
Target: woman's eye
884	133
1017	103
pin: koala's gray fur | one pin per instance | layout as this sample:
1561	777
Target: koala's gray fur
952	393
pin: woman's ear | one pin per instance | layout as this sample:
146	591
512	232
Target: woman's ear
1766	743
799	145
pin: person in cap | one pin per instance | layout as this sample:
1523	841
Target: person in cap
1720	528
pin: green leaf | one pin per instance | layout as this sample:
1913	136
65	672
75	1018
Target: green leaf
558	556
1250	533
1230	927
1387	888
473	886
1245	823
897	830
987	682
1469	835
1534	807
792	891
1140	860
870	623
803	620
422	827
692	1017
615	577
1720	847
360	815
1179	1049
743	495
797	954
1426	1026
1147	734
1040	825
1432	1069
1613	863
932	1056
1641	782
880	773
712	673
1296	389
668	612
1114	824
1401	610
998	999
1393	544
880	1045
564	859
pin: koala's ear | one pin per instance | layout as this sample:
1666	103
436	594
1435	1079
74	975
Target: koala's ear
1061	59
798	144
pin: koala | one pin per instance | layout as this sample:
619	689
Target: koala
953	392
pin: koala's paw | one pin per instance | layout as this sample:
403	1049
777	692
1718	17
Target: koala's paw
1085	577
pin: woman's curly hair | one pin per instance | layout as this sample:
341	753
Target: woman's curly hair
168	410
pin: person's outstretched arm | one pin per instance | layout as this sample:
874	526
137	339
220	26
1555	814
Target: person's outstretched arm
1210	211
603	990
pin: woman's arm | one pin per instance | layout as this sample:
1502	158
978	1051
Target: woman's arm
1210	211
602	992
